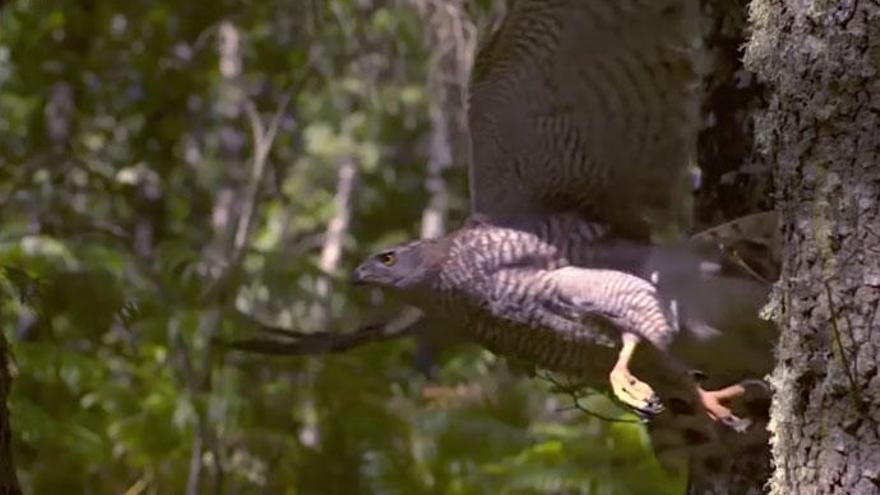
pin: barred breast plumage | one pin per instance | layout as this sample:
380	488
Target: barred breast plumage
510	290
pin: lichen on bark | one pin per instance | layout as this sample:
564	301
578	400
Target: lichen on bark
821	130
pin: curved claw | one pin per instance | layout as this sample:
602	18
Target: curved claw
737	424
653	408
634	393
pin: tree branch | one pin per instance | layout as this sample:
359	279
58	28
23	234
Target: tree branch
187	373
263	139
285	342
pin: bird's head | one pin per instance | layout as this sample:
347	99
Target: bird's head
404	267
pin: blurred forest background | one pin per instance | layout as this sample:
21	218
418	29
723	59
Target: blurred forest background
177	173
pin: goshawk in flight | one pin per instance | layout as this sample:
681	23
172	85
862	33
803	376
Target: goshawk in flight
583	117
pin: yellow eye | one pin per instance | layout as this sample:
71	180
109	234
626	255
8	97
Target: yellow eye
387	259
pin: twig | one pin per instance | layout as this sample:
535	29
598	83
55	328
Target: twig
191	383
140	486
575	392
194	478
263	139
576	405
203	37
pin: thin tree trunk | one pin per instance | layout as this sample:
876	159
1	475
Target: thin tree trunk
439	159
334	238
822	130
331	255
8	478
451	38
221	255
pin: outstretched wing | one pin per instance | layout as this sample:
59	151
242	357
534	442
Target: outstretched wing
586	105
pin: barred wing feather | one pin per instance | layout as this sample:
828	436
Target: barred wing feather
587	106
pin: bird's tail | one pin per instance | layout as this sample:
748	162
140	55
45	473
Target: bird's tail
753	244
715	285
730	301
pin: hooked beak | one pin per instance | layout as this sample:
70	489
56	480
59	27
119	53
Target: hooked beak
358	277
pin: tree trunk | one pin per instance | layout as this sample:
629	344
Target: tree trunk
822	132
8	479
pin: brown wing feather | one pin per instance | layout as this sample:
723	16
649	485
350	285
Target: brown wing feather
586	105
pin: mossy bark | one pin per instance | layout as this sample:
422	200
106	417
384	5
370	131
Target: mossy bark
821	130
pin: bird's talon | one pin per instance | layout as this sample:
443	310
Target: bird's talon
712	403
634	393
651	409
737	424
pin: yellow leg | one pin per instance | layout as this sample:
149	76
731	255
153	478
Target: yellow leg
626	387
712	402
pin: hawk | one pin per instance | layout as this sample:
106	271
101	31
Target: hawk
583	119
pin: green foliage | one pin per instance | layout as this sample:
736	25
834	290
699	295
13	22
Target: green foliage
120	138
